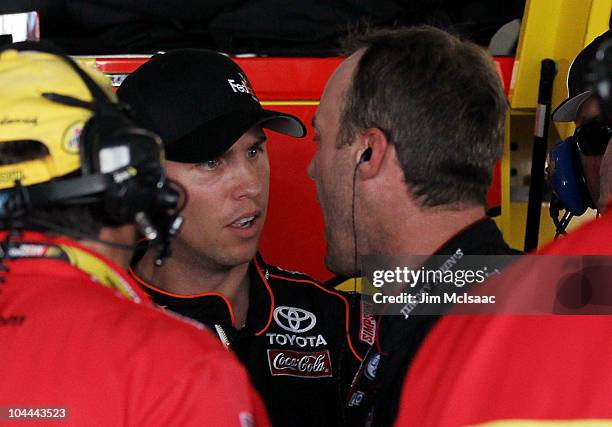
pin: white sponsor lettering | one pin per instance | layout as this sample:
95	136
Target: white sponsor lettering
368	324
284	339
121	176
372	366
305	363
27	250
238	87
299	364
356	399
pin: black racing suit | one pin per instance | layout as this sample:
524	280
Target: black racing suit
300	344
374	396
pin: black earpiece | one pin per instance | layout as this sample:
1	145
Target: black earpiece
365	156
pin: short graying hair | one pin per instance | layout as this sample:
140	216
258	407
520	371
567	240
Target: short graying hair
438	100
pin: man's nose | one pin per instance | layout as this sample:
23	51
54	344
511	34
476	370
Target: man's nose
248	182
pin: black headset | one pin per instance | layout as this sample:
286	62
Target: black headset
566	174
133	193
366	155
568	184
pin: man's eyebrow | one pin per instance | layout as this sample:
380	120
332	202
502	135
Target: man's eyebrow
314	122
260	140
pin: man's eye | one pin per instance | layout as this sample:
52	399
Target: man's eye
210	164
254	151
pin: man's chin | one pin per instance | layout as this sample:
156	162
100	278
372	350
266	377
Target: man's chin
231	257
243	255
604	202
339	265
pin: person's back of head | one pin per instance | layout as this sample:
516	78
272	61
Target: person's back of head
439	101
71	161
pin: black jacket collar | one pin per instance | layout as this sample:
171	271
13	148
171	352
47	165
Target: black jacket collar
212	308
479	238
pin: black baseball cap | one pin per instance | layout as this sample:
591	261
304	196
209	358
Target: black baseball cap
578	86
200	102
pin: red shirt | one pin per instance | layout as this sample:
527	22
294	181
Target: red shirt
70	342
474	369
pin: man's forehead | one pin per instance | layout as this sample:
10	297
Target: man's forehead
342	76
255	131
587	111
337	85
346	67
253	135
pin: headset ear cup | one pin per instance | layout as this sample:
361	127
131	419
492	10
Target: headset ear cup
581	180
120	200
566	177
138	192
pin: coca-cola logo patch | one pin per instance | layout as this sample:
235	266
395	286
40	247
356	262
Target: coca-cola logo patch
300	364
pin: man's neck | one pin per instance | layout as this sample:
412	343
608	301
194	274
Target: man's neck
192	278
395	222
123	236
427	232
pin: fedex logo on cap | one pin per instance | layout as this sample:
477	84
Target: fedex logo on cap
242	87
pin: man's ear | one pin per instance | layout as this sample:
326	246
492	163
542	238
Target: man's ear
370	157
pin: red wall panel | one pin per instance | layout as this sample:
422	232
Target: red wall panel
293	234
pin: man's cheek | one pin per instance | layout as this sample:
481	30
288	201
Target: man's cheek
591	169
605	178
605	194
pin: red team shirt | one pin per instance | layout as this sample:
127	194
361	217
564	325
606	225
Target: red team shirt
475	369
72	343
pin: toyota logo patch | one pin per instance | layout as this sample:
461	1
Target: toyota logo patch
294	319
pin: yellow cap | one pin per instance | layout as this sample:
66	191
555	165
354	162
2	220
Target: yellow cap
26	115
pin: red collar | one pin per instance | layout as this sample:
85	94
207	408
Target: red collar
60	248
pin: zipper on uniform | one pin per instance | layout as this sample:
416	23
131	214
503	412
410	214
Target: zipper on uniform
222	335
